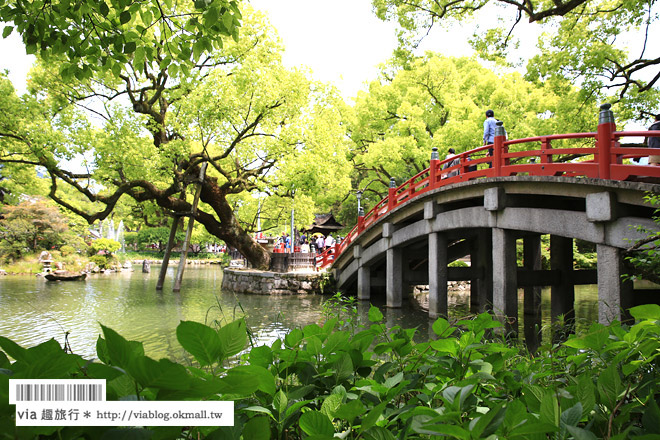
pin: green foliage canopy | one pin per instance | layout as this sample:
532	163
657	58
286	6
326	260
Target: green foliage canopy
114	35
604	45
440	102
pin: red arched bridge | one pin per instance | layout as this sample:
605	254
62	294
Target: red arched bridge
480	205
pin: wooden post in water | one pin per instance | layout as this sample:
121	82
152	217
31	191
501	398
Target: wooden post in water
191	222
168	252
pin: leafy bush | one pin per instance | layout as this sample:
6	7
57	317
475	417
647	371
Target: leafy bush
67	250
457	263
367	382
100	260
105	245
643	257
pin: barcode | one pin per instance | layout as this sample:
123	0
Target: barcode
68	390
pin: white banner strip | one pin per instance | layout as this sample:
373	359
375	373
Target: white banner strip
125	413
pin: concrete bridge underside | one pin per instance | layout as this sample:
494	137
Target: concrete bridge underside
483	219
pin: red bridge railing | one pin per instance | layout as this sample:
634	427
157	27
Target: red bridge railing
601	159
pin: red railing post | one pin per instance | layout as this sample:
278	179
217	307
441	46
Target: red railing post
435	158
604	140
391	195
360	225
498	148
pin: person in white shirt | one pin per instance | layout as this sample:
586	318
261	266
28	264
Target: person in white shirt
320	243
329	242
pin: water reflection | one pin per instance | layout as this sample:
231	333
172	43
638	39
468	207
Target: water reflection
33	310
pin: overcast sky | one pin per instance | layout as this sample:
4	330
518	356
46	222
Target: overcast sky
342	43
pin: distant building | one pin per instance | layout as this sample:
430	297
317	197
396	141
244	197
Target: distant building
325	224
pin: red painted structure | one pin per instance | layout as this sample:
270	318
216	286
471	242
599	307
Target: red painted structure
602	159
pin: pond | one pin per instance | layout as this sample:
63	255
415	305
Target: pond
33	310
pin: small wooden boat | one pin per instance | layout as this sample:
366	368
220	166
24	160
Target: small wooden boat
65	276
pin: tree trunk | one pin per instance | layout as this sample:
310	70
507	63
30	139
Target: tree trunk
228	229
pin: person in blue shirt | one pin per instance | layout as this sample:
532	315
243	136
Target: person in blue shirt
489	131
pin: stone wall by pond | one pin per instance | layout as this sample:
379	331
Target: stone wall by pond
271	283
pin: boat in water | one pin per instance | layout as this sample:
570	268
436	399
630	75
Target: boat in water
65	276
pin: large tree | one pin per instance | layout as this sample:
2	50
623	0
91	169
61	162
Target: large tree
601	44
440	102
238	109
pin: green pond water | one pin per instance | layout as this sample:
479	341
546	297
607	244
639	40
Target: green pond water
33	310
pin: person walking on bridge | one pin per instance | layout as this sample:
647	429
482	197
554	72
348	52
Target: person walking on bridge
489	131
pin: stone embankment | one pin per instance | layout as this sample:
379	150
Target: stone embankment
459	293
273	283
139	262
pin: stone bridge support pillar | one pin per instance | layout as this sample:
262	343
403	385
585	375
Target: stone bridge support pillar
438	275
532	299
393	270
614	294
562	291
481	260
363	276
505	278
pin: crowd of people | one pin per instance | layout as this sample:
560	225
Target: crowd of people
316	243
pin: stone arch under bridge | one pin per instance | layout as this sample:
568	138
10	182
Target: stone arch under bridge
413	244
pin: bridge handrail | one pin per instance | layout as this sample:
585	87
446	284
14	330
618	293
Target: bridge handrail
432	177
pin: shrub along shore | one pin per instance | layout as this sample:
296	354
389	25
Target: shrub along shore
343	379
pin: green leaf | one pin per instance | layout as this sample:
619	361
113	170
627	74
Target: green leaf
488	423
531	428
102	350
609	386
129	47
293	338
444	430
146	16
233	338
580	433
372	416
533	395
445	346
120	351
316	423
375	314
586	394
280	402
549	409
13	349
210	16
331	404
441	326
378	433
570	417
257	428
199	340
4	361
259	409
261	356
651	417
163	374
6	31
349	411
646	311
103	8
124	17
253	373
